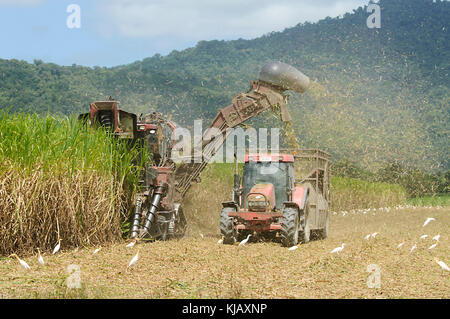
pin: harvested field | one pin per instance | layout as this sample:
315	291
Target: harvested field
196	267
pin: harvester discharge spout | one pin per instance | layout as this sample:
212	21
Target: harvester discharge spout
281	77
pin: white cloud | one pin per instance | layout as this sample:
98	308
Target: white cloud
195	20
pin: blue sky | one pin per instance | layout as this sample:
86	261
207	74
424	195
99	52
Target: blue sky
115	32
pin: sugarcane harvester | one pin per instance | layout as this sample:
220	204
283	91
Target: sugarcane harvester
158	211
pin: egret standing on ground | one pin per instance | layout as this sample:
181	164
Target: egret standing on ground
40	259
293	248
400	245
429	219
436	237
367	237
442	264
22	262
338	249
56	249
134	260
374	234
96	251
413	248
220	241
242	243
433	246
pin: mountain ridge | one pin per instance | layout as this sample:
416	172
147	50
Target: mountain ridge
377	95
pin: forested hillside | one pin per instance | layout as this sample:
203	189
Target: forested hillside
378	95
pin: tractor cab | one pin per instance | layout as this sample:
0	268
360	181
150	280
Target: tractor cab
267	180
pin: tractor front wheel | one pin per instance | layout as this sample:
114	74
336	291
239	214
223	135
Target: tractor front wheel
290	227
227	226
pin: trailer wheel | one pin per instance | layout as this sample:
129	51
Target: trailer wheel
290	227
227	226
323	233
306	233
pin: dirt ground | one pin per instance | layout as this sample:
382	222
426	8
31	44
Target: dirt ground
196	267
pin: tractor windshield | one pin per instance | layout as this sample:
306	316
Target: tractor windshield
263	173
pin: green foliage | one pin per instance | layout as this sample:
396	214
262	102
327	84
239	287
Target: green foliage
61	144
377	95
416	182
435	200
351	193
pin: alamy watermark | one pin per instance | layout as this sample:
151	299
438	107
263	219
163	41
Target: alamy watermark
73	281
74	19
374	19
222	146
374	279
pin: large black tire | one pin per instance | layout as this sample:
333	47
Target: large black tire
290	227
305	235
227	226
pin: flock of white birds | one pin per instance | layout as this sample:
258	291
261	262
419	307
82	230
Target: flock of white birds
336	250
388	209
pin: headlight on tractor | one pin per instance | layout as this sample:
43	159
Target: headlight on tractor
257	205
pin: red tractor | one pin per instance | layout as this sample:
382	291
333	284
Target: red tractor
273	203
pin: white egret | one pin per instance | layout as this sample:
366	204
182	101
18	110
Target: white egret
400	245
374	234
338	249
293	248
413	248
423	236
220	241
367	237
131	244
442	264
201	235
57	247
436	237
40	259
242	243
429	219
433	246
134	260
22	262
96	251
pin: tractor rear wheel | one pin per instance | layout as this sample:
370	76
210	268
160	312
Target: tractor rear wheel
227	226
290	227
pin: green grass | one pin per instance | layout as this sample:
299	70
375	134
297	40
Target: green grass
351	193
432	200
